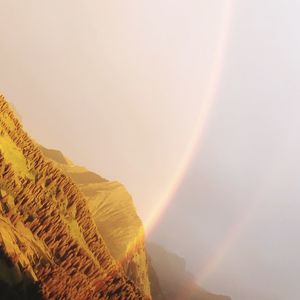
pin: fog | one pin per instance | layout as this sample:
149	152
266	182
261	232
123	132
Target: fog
118	88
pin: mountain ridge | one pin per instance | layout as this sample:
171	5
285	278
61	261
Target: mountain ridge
46	226
114	212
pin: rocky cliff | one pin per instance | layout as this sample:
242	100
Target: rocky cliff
48	236
115	215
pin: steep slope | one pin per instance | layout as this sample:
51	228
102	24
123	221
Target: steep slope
175	282
46	229
115	215
155	286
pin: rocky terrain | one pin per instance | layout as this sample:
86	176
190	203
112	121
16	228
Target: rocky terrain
50	244
115	215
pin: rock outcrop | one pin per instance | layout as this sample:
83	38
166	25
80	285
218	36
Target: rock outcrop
47	231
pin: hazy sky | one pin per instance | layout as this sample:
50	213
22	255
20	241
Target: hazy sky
118	87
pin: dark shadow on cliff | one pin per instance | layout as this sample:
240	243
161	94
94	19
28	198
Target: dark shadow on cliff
15	283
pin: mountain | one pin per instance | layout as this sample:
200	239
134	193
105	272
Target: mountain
175	283
122	230
50	246
115	215
155	286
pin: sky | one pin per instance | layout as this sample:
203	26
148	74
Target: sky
208	90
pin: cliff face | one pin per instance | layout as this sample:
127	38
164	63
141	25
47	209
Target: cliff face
115	216
175	283
155	286
47	233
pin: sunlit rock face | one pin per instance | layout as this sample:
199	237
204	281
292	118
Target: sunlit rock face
173	279
48	238
115	215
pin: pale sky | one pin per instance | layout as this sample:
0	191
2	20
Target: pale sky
118	86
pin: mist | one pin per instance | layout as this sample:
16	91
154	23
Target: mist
118	88
241	192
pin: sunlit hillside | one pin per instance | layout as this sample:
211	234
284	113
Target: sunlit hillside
48	237
115	215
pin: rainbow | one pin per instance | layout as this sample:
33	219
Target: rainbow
204	114
207	106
